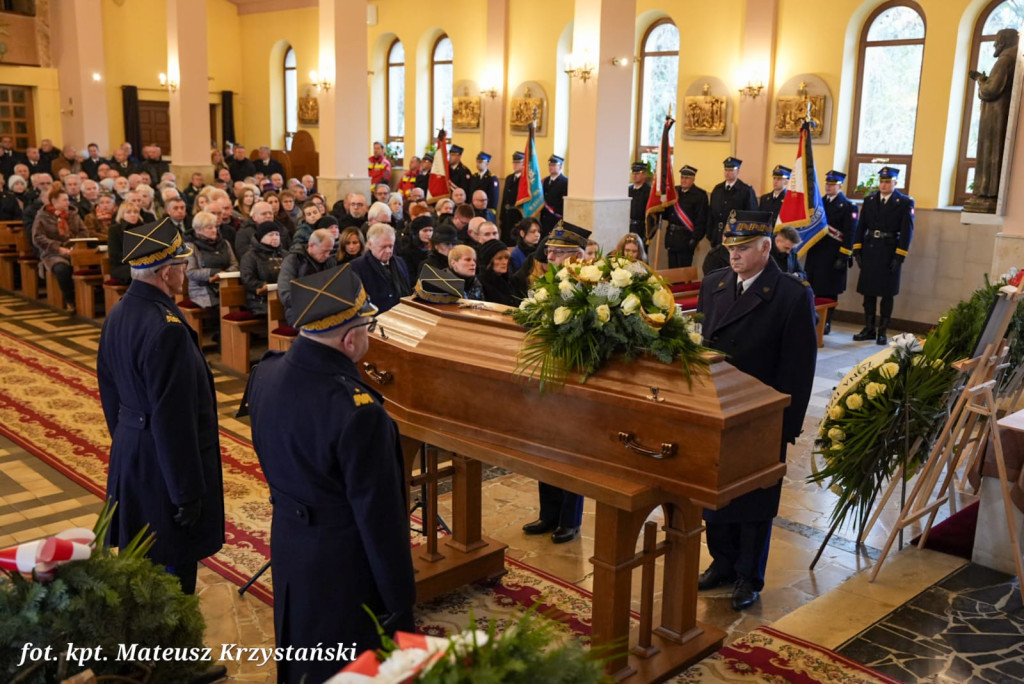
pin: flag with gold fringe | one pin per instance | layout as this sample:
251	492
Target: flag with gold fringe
801	207
530	195
437	185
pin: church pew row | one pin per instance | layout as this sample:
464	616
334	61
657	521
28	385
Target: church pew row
236	325
10	248
87	276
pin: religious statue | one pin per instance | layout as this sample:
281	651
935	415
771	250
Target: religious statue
704	114
994	92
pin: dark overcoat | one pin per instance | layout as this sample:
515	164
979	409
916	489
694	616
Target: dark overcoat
824	277
724	201
510	216
487	182
883	232
769	333
554	202
161	410
772	204
340	532
379	288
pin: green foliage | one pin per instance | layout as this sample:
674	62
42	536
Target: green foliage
581	314
106	600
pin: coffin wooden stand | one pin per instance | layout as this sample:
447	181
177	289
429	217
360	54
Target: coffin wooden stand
633	438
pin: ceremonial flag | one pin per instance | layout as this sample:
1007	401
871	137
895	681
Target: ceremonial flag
530	196
802	207
663	188
437	185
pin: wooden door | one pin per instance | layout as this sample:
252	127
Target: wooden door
17	118
155	124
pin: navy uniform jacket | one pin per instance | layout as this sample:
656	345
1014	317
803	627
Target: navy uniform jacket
825	278
554	202
510	216
769	333
883	233
340	532
160	407
771	204
423	181
695	203
740	198
489	184
638	198
461	176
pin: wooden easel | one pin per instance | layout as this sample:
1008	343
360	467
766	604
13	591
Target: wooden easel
976	402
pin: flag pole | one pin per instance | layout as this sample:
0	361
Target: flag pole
659	237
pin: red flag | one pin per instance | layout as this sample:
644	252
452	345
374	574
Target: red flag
437	187
663	188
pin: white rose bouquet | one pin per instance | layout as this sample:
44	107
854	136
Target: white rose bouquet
581	313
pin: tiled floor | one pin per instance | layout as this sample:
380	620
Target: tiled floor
788	599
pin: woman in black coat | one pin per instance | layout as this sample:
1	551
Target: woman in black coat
417	246
261	265
494	275
12	206
128	216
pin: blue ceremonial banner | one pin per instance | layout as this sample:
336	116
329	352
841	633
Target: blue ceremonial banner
801	207
530	197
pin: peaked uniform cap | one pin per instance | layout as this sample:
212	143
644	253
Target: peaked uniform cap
746	226
555	159
782	171
568	235
732	163
483	156
518	156
330	298
888	173
638	166
835	177
455	149
151	244
439	285
687	170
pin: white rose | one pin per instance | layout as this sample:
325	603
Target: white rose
525	303
621	277
590	274
563	274
541	295
562	314
836	435
658	318
630	304
663	299
566	288
604	313
696	337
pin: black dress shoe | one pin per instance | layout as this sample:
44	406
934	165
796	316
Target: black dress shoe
564	534
711	578
539	527
743	595
828	327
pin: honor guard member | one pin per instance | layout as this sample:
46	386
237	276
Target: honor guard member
484	180
556	187
458	174
772	201
639	194
763	321
688	224
423	177
161	410
829	258
730	195
882	239
510	215
561	512
339	537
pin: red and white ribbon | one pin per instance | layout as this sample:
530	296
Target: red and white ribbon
43	555
416	653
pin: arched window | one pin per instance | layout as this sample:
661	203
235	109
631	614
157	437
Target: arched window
888	78
442	83
291	98
658	84
395	94
999	14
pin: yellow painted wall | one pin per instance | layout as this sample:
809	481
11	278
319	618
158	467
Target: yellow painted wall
46	101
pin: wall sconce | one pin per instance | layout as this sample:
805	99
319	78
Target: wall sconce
96	76
752	89
489	93
322	82
580	67
621	61
169	82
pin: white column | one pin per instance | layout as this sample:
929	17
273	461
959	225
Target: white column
190	99
78	55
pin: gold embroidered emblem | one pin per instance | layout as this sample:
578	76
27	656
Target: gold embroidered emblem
171	318
361	398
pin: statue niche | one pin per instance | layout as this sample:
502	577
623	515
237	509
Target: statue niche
994	92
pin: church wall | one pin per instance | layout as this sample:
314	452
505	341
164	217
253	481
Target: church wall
47	96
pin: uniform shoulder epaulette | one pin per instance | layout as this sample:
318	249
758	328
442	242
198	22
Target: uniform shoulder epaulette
170	316
361	394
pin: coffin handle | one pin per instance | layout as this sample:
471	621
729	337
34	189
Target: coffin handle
668	449
381	377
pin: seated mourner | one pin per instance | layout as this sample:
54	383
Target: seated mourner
211	254
261	265
304	260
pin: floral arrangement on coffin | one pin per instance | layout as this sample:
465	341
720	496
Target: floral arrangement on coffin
527	652
890	400
581	313
72	588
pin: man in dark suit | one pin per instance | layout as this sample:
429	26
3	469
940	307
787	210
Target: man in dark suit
687	225
484	180
423	177
730	195
772	201
458	174
266	164
510	216
8	157
383	273
556	187
339	538
240	166
92	161
763	321
882	239
161	410
639	194
829	258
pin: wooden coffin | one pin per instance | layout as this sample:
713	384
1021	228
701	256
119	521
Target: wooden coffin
452	370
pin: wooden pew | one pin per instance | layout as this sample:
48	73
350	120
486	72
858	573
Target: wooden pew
112	291
9	246
279	334
236	325
28	264
87	276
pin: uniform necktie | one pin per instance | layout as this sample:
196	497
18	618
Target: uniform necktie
739	288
